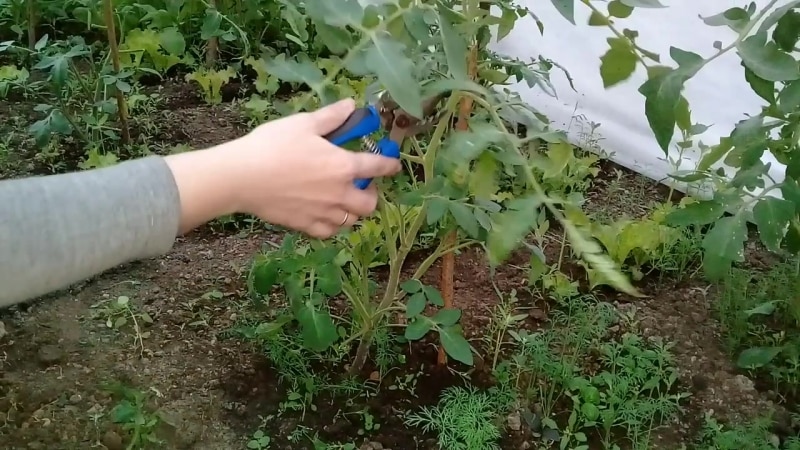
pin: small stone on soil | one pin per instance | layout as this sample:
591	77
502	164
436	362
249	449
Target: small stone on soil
50	354
112	441
514	421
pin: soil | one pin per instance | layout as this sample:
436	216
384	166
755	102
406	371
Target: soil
213	390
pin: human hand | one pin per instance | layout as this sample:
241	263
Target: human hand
291	176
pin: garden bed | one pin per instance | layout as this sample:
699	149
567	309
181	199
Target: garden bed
213	389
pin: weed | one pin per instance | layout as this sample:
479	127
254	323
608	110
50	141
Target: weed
464	419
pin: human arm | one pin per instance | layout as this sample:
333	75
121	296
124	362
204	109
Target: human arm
61	229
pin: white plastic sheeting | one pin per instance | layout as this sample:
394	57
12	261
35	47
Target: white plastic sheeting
718	95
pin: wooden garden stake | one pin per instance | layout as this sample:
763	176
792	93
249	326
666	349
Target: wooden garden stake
32	25
451	239
212	48
122	107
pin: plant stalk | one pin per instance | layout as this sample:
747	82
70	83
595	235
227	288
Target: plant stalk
122	107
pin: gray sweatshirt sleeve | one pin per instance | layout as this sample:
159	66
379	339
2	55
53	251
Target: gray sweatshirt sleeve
61	229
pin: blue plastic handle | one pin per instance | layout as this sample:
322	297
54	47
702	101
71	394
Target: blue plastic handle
363	122
385	147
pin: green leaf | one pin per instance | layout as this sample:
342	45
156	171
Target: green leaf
265	274
465	218
566	8
411	286
337	14
756	357
329	280
716	153
510	227
790	190
598	20
455	47
433	295
735	18
172	41
643	3
394	70
662	93
318	329
294	71
436	209
618	9
787	32
455	345
416	304
772	217
776	15
789	97
698	213
763	88
418	328
464	146
766	60
724	243
618	63
338	40
447	317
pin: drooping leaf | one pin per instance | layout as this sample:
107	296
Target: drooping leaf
464	146
789	97
766	60
566	8
763	88
387	58
790	190
338	40
510	227
772	217
436	209
662	92
465	219
455	47
787	32
618	63
455	345
643	3
724	244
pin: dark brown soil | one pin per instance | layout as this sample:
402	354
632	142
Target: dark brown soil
215	390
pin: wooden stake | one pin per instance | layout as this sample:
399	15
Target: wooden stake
451	239
212	48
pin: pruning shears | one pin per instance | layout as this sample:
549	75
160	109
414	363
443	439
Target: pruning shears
384	113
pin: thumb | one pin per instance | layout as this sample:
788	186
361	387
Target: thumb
328	118
370	165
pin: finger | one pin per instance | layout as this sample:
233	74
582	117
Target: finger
322	229
328	118
338	217
370	165
361	203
